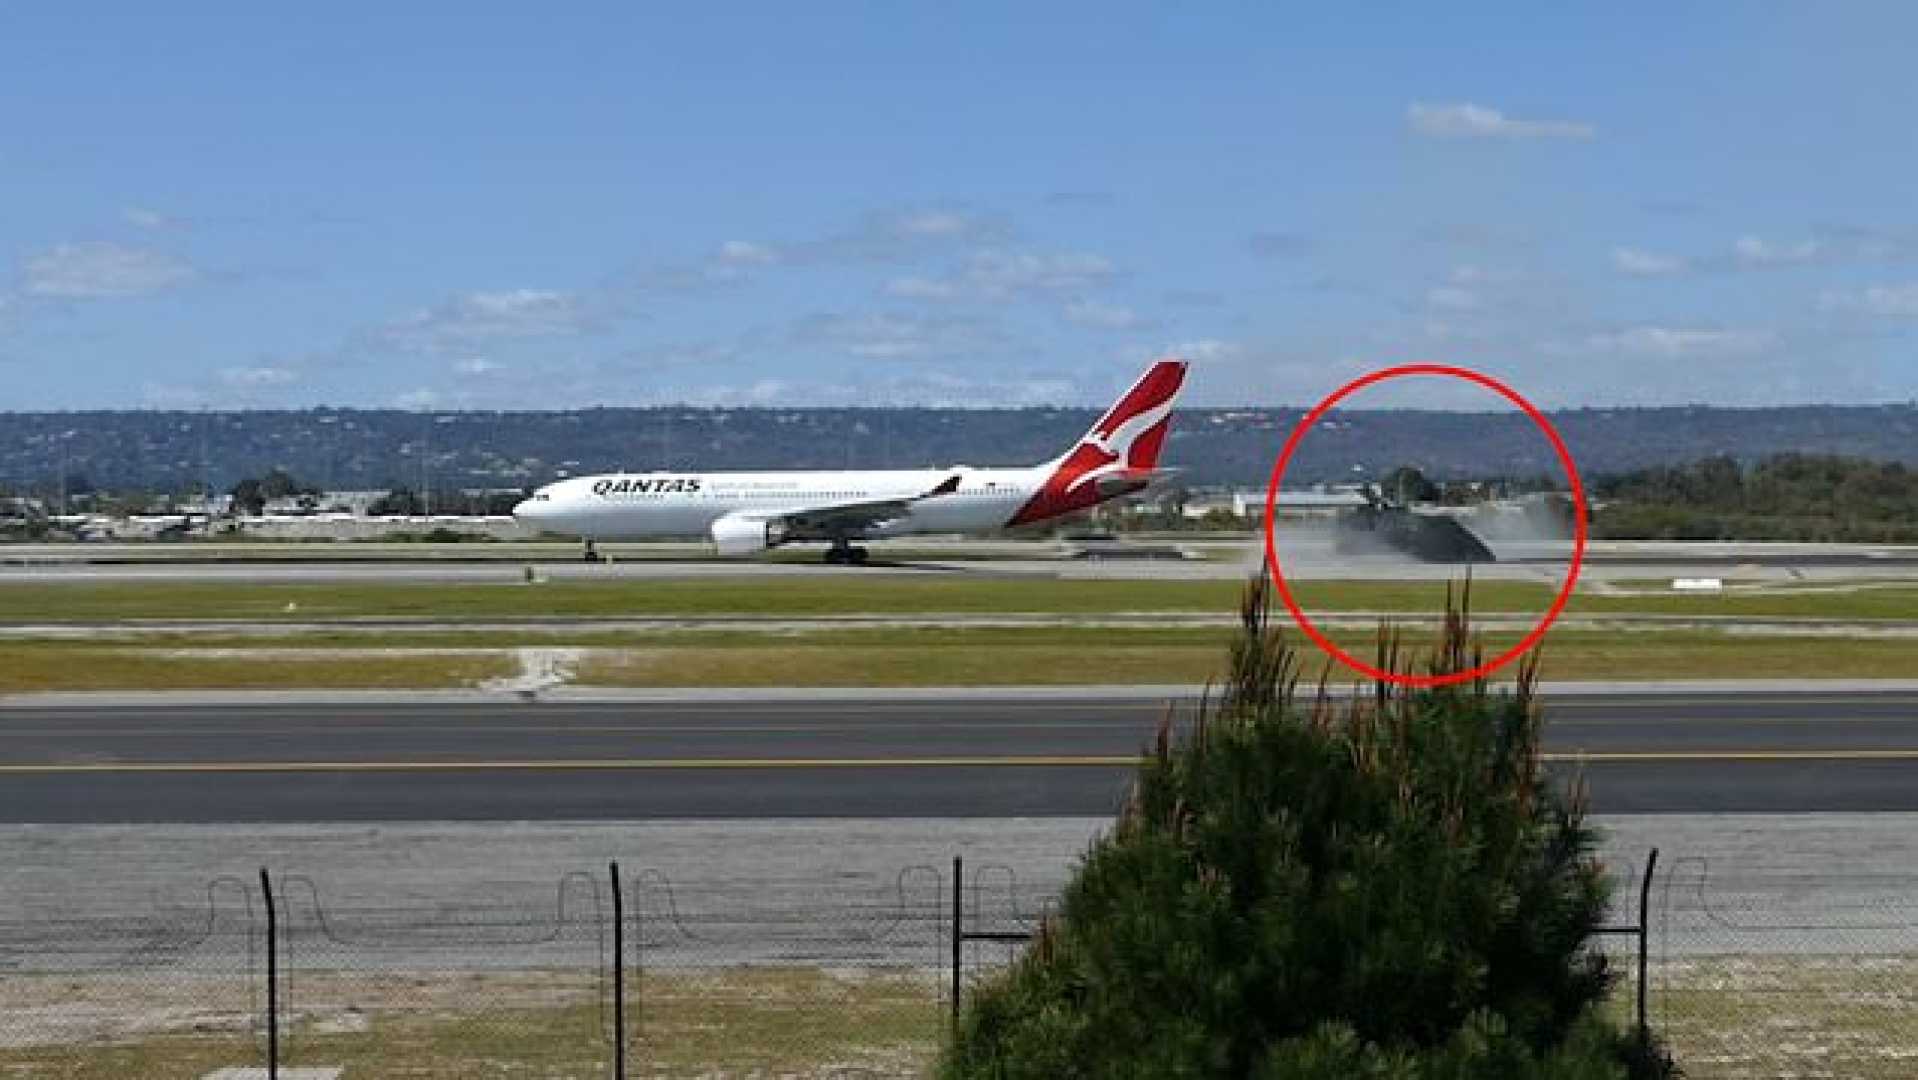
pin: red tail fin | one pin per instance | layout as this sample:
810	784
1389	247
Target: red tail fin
1118	454
1135	428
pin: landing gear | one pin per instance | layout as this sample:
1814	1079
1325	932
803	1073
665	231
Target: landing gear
843	552
592	553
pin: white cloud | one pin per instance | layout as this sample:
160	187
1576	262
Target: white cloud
700	354
1453	298
417	399
760	392
886	336
999	274
148	218
1895	301
1467	121
933	223
922	385
1747	253
1680	342
477	317
1204	349
477	365
687	278
921	288
945	389
745	253
100	271
1641	263
881	237
257	377
1750	251
1006	275
1469	274
894	235
1103	316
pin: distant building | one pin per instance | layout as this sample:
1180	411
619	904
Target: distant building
1322	500
337	526
1249	503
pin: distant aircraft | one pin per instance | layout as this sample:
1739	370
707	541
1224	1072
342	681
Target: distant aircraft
742	512
1387	525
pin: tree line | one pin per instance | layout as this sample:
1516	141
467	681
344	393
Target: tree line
1825	498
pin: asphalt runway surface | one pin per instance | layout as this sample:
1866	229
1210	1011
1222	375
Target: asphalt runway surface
1307	553
1739	751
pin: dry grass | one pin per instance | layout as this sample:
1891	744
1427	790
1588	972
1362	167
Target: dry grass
738	1022
1759	1017
1726	1018
42	666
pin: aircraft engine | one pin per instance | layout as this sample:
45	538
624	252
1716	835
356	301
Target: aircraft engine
745	536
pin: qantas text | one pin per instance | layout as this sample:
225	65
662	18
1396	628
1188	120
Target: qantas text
688	485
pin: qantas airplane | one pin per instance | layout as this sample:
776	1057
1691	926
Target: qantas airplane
743	513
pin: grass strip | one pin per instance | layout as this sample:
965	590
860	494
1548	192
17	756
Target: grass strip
38	667
885	657
1725	1017
806	595
789	1022
1112	657
1736	1017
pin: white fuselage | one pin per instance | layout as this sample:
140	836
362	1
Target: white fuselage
639	506
744	512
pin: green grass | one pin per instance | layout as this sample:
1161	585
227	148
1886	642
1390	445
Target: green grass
1116	657
838	594
877	657
823	595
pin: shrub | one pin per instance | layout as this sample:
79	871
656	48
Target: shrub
1383	886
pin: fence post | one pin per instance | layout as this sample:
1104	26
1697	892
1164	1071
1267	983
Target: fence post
958	932
619	977
272	979
1644	938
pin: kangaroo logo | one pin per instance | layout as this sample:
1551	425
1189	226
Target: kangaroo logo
1124	443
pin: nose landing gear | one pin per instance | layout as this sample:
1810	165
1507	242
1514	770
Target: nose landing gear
591	554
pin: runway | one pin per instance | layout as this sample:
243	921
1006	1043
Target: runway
1209	557
811	756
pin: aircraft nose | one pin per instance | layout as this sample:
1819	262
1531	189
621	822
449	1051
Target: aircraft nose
526	511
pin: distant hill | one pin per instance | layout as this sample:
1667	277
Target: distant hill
364	449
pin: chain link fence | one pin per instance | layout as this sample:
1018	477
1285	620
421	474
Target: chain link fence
631	973
789	977
1757	976
178	990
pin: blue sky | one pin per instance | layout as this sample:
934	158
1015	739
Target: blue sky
464	206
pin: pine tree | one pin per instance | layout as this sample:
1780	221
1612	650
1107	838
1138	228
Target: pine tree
1382	886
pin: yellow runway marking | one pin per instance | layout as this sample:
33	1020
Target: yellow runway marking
1894	754
558	765
1726	698
735	731
1037	761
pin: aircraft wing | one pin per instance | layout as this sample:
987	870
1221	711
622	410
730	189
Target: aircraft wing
851	519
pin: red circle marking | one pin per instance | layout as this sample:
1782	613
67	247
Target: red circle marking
1578	512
